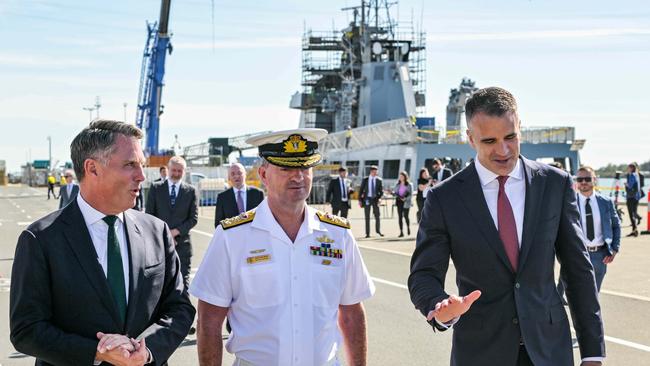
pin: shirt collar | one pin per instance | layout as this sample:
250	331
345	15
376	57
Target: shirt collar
242	189
91	215
486	176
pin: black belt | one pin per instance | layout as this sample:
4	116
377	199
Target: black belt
595	249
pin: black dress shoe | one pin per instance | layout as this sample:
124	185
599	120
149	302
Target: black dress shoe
401	235
380	234
367	236
638	221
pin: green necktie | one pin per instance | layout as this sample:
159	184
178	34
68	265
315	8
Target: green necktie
115	271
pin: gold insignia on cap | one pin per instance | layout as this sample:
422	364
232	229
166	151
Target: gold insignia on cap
333	219
244	218
295	144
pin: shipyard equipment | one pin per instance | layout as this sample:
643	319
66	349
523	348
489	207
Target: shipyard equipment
152	74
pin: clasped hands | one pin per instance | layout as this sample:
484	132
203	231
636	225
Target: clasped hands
120	350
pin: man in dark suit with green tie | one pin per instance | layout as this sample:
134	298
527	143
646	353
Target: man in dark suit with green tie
98	282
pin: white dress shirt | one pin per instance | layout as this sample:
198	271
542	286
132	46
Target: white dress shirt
243	195
343	186
515	188
169	187
283	298
68	188
371	193
598	229
98	230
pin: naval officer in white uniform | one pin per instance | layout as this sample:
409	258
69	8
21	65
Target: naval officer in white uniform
290	278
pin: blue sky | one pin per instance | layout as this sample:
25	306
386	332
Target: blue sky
578	63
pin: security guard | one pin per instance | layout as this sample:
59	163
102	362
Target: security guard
284	273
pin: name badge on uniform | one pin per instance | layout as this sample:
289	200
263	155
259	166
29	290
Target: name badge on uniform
258	259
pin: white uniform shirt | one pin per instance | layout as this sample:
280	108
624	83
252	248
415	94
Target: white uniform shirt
598	229
283	299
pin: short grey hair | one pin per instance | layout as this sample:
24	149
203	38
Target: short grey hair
177	160
492	101
97	141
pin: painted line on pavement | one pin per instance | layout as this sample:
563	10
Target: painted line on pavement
390	283
623	294
202	233
389	251
620	341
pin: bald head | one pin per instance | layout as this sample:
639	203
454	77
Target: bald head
237	175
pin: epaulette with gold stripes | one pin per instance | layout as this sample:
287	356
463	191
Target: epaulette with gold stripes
241	219
333	219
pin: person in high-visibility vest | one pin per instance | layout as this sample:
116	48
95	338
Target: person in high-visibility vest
51	181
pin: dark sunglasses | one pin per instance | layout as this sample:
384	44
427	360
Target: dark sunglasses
583	179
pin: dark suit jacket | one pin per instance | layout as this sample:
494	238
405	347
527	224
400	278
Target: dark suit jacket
60	296
333	195
185	213
525	305
363	191
446	173
64	199
227	203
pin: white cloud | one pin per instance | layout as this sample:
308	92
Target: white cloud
533	35
31	60
256	43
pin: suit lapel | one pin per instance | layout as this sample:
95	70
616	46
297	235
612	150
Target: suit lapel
535	186
136	246
179	192
81	244
472	196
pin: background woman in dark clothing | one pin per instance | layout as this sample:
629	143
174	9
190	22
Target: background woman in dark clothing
423	180
632	197
402	192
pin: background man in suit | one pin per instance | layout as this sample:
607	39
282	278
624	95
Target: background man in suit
601	225
90	276
338	193
175	202
371	191
502	220
440	172
163	174
238	198
69	191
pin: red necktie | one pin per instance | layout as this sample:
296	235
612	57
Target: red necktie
507	225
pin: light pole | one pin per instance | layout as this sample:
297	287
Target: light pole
125	104
98	105
90	112
49	162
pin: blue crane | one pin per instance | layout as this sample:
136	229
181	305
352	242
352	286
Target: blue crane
151	79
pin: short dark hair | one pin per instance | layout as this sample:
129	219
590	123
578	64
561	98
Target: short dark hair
436	161
161	168
343	169
492	101
97	142
588	169
373	167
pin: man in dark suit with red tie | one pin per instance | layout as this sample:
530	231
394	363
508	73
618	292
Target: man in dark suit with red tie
338	193
503	220
238	198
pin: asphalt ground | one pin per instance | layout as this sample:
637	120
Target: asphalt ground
397	333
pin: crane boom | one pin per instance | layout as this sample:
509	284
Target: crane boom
151	79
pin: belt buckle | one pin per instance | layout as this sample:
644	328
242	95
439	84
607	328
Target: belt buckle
594	249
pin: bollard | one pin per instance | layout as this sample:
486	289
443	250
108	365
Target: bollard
647	217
